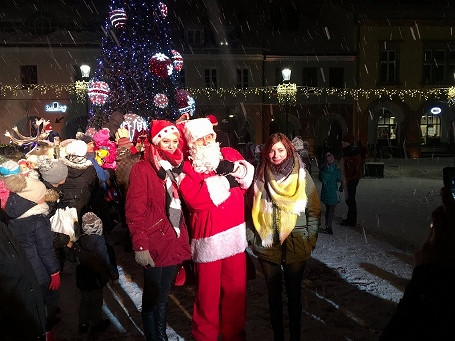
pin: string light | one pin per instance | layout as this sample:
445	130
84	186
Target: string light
80	89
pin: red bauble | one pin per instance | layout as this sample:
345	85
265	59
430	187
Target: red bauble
177	60
98	92
185	102
160	100
161	65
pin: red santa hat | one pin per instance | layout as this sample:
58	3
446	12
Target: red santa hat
160	128
213	119
197	128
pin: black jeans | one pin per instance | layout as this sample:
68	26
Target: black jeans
329	214
157	284
293	274
351	203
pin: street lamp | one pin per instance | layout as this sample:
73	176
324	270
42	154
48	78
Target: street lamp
287	92
85	71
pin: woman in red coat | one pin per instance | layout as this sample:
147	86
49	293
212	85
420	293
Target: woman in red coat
154	216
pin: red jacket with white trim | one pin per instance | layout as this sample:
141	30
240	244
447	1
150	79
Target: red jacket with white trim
217	219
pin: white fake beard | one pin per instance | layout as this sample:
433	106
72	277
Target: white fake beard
205	158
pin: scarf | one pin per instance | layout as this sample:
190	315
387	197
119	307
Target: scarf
278	199
168	166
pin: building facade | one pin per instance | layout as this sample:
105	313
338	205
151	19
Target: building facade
339	56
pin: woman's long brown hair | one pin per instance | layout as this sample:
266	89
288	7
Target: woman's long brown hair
274	138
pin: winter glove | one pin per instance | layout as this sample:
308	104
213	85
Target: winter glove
232	181
55	281
144	258
121	133
225	167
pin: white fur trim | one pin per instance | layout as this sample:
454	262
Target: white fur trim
197	128
219	246
218	187
163	132
247	179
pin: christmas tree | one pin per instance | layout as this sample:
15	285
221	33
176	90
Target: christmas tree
138	70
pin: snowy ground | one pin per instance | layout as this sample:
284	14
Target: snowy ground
351	284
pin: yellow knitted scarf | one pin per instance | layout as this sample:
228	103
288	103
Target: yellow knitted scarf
282	193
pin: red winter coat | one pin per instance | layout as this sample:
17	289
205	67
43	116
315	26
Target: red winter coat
217	219
147	220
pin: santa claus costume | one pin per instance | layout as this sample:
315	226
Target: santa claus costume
213	188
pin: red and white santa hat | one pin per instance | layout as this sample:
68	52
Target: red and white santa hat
197	128
213	119
161	128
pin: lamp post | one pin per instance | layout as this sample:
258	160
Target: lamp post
85	75
85	72
287	92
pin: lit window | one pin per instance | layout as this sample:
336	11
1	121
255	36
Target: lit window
430	127
387	129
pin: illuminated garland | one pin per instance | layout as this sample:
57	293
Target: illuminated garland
80	90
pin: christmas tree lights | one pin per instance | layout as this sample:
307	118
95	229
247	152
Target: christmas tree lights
138	63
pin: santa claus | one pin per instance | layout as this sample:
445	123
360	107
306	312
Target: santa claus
213	187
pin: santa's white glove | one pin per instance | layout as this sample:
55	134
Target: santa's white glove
240	170
144	258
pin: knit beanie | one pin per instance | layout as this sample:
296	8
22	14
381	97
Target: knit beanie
9	167
31	159
51	170
161	128
34	191
124	142
101	137
84	137
77	148
197	128
91	224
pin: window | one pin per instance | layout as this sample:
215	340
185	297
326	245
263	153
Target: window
438	66
29	75
387	129
210	78
430	126
242	79
336	77
388	73
310	76
195	36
